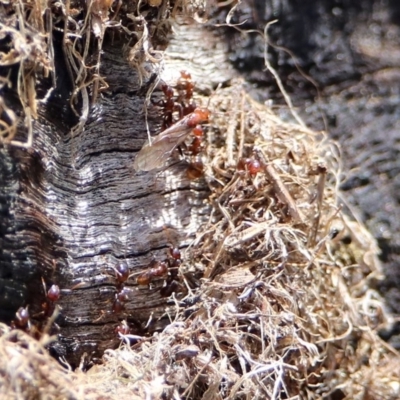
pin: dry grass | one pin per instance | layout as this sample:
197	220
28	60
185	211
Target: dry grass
26	36
286	306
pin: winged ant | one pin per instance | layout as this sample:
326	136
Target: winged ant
154	154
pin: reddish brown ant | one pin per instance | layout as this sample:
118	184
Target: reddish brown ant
197	143
160	269
186	85
122	328
181	103
22	316
156	269
198	131
195	170
144	279
196	146
175	263
121	276
121	297
22	320
249	164
169	95
118	306
53	294
168	268
175	253
172	285
154	155
174	270
156	152
189	108
169	106
121	273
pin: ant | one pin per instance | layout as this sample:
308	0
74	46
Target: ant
168	268
197	143
249	164
169	106
122	329
22	320
175	253
174	132
195	170
52	296
172	285
154	155
196	167
181	104
155	269
121	296
22	316
185	87
121	273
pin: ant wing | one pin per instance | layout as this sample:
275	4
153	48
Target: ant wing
155	155
152	156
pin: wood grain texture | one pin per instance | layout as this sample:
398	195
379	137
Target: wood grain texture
72	207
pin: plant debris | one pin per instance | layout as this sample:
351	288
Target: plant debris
27	44
285	305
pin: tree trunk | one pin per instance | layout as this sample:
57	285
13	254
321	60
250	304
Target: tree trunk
74	207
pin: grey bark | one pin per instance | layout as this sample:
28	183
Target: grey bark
73	207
